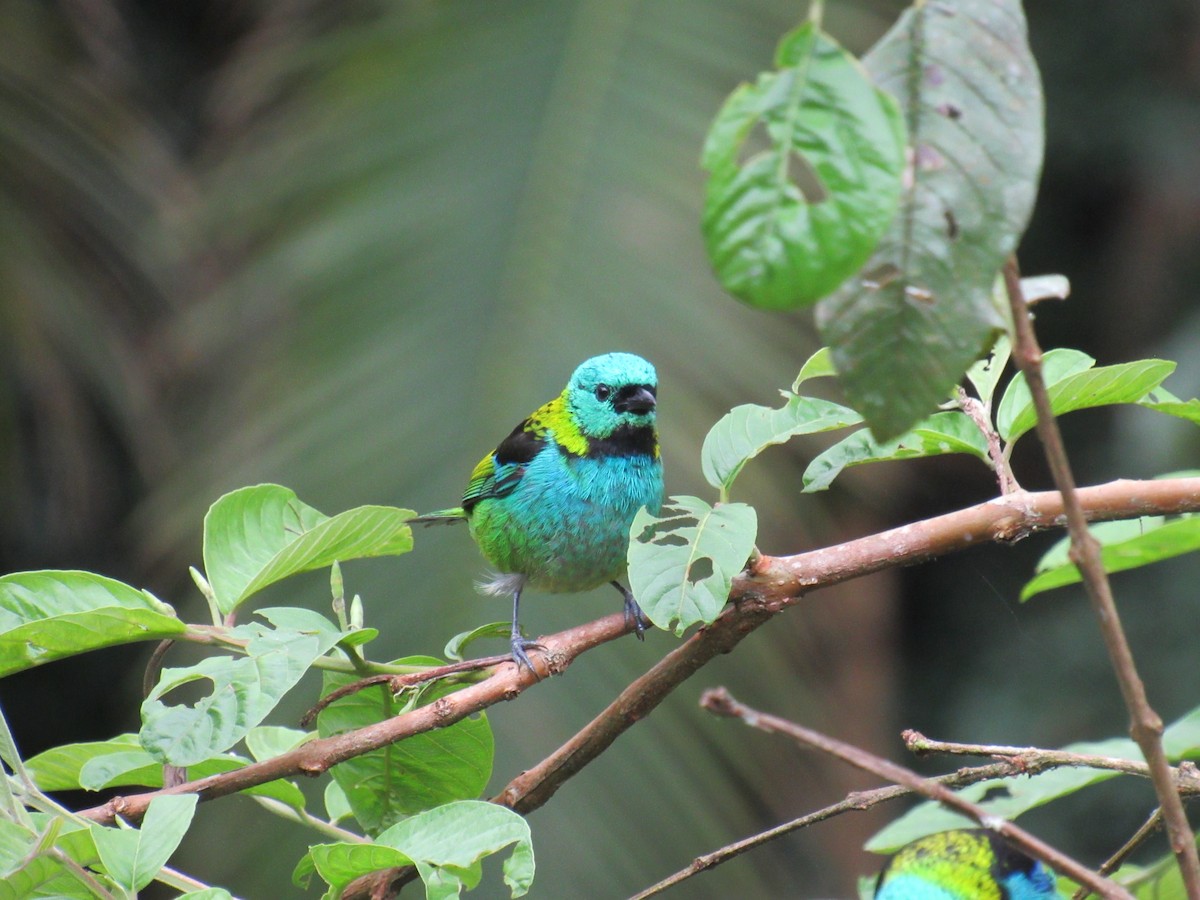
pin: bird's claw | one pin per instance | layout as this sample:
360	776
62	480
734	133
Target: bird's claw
634	615
520	657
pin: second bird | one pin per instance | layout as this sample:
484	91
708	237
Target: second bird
551	506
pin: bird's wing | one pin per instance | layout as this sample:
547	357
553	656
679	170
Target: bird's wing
498	473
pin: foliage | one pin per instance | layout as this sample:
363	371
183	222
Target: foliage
888	194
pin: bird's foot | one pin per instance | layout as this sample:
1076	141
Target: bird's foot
519	645
633	612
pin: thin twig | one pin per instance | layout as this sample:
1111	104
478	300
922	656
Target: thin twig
1146	726
1186	778
857	801
398	683
1114	862
977	412
721	703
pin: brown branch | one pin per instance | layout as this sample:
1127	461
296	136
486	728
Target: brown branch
978	413
317	756
721	703
772	584
397	683
1186	778
1146	726
857	801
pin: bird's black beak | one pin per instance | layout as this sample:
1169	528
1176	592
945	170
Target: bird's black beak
635	398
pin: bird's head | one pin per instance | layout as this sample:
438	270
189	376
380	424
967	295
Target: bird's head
612	391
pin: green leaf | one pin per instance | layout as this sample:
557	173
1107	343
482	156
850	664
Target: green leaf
745	431
416	774
797	218
269	741
1163	401
819	365
212	893
258	535
1128	544
923	310
58	768
1057	364
457	645
337	807
133	856
122	762
1103	386
682	563
24	874
447	845
50	614
945	432
244	689
986	373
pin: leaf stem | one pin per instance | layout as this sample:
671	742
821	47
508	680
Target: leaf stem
1146	726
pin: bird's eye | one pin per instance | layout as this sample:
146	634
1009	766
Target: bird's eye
603	392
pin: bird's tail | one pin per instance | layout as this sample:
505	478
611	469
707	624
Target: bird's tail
441	517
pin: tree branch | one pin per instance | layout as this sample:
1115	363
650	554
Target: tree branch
858	801
770	585
720	702
1146	726
1186	778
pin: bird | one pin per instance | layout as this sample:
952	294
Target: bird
964	864
551	507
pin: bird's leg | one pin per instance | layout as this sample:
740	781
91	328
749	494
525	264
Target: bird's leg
633	612
518	643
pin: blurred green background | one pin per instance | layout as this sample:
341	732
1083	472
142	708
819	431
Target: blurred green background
346	246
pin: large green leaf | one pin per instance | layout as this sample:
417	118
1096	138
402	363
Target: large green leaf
122	762
781	239
51	614
1084	389
923	310
682	563
418	773
944	432
1128	544
133	856
447	845
747	430
258	535
244	689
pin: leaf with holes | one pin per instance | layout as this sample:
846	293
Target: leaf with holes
795	219
244	689
682	563
924	310
1163	401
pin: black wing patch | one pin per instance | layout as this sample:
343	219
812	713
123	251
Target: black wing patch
520	447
